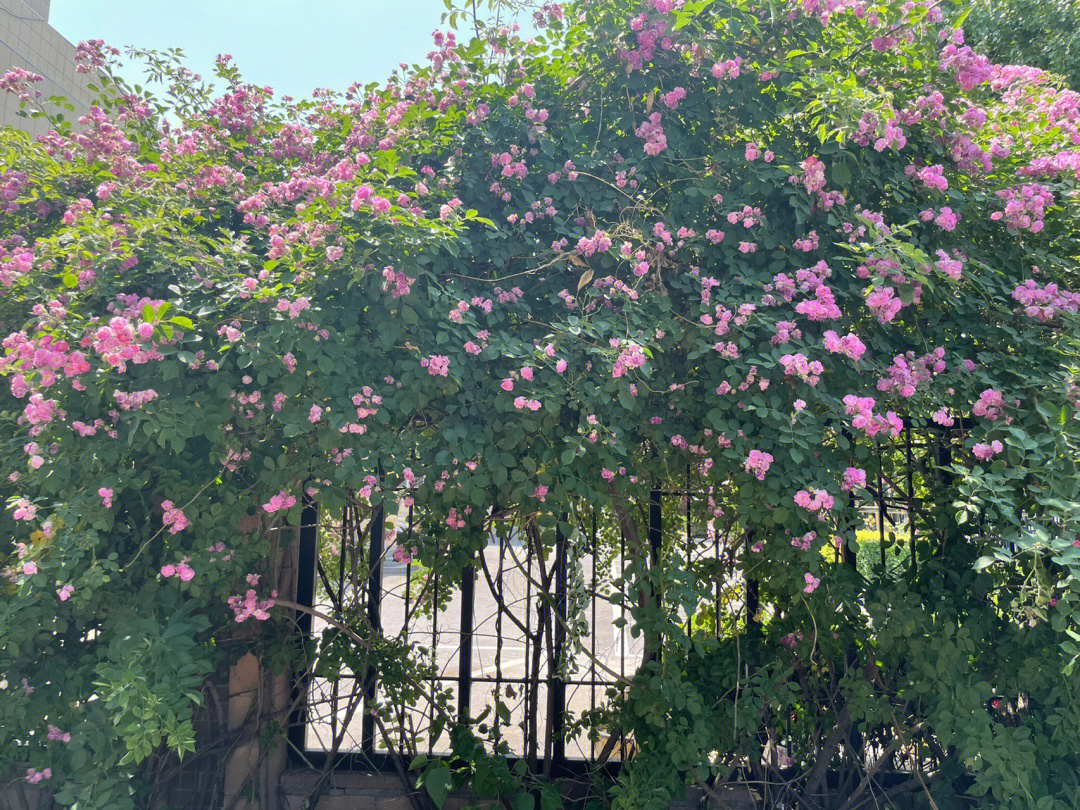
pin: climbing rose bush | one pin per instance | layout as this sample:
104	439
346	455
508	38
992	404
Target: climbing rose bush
531	278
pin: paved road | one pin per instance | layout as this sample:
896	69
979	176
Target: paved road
506	660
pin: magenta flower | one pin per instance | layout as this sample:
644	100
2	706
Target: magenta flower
933	177
631	356
34	776
57	735
174	518
24	510
853	477
283	500
990	405
985	452
437	365
758	463
250	606
815	500
947	219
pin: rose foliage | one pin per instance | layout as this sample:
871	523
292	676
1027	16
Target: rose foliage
536	278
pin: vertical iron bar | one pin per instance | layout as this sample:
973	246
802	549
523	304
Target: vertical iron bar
752	602
944	459
556	680
656	538
881	503
528	739
719	576
500	606
910	502
592	637
376	530
465	642
408	597
308	550
689	549
847	552
344	536
622	629
434	650
752	597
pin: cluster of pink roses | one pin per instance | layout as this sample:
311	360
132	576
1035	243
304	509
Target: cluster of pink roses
861	409
1025	207
985	452
907	372
438	365
814	500
990	404
1044	303
797	365
630	356
277	503
853	477
758	463
652	132
182	570
173	517
850	345
249	606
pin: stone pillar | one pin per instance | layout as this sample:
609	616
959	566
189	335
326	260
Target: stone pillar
260	700
257	698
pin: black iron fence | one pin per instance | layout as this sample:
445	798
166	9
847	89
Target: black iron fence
495	636
531	638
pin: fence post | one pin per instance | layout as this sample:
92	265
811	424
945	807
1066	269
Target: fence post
306	564
752	597
656	535
556	680
847	553
465	642
909	463
258	700
376	530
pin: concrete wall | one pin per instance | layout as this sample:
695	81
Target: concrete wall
28	41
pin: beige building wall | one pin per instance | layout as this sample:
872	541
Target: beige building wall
28	41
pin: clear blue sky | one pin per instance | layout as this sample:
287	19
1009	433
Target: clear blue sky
292	45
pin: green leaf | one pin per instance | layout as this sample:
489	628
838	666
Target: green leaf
437	782
502	711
